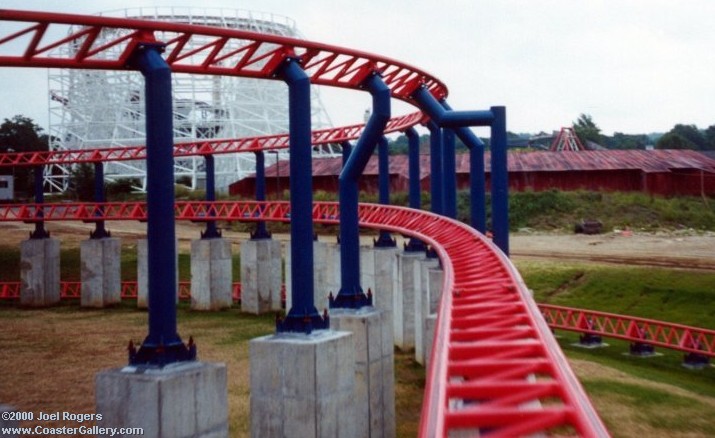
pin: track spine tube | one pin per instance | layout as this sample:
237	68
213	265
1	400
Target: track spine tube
385	239
500	180
415	195
163	344
261	231
436	176
351	294
303	316
449	173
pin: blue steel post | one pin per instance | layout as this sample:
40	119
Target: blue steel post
436	180
500	180
415	193
351	294
163	344
261	231
39	232
211	232
449	173
347	148
303	316
384	239
100	232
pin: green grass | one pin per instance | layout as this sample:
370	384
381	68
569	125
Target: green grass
686	297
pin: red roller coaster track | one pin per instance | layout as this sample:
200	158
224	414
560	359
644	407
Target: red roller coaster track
493	360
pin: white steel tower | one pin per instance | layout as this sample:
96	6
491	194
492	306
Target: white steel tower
93	109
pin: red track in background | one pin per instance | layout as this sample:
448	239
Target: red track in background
490	339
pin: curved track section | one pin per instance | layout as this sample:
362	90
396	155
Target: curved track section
494	360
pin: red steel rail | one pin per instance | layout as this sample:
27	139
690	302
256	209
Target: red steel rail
630	328
203	147
493	358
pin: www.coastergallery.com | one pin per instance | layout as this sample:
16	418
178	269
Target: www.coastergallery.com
65	430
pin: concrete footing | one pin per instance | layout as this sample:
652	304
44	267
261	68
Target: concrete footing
428	338
7	423
409	270
261	277
321	286
303	385
211	274
188	399
387	278
101	272
367	268
374	368
40	272
430	288
332	274
143	273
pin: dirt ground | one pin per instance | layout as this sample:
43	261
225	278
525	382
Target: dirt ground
678	249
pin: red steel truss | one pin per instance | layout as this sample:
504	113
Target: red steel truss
493	358
203	147
629	328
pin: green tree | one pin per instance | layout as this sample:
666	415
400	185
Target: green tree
587	130
82	182
672	140
692	134
21	134
710	138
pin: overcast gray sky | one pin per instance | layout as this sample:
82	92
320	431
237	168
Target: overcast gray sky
635	66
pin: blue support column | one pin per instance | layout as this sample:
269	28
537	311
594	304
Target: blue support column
385	239
100	232
415	192
436	180
303	316
500	180
39	232
449	173
162	345
211	232
347	149
351	294
261	231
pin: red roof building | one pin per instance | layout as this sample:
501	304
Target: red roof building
662	172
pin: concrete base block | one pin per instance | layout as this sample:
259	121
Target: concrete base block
40	272
303	385
332	261
410	273
429	326
374	368
434	280
8	423
211	274
422	305
189	399
101	272
367	268
387	277
261	276
321	287
143	273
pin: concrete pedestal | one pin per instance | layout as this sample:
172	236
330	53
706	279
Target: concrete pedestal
428	338
211	274
8	423
101	272
374	368
429	275
189	399
303	385
332	262
40	272
321	288
387	278
367	268
410	272
143	273
261	276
